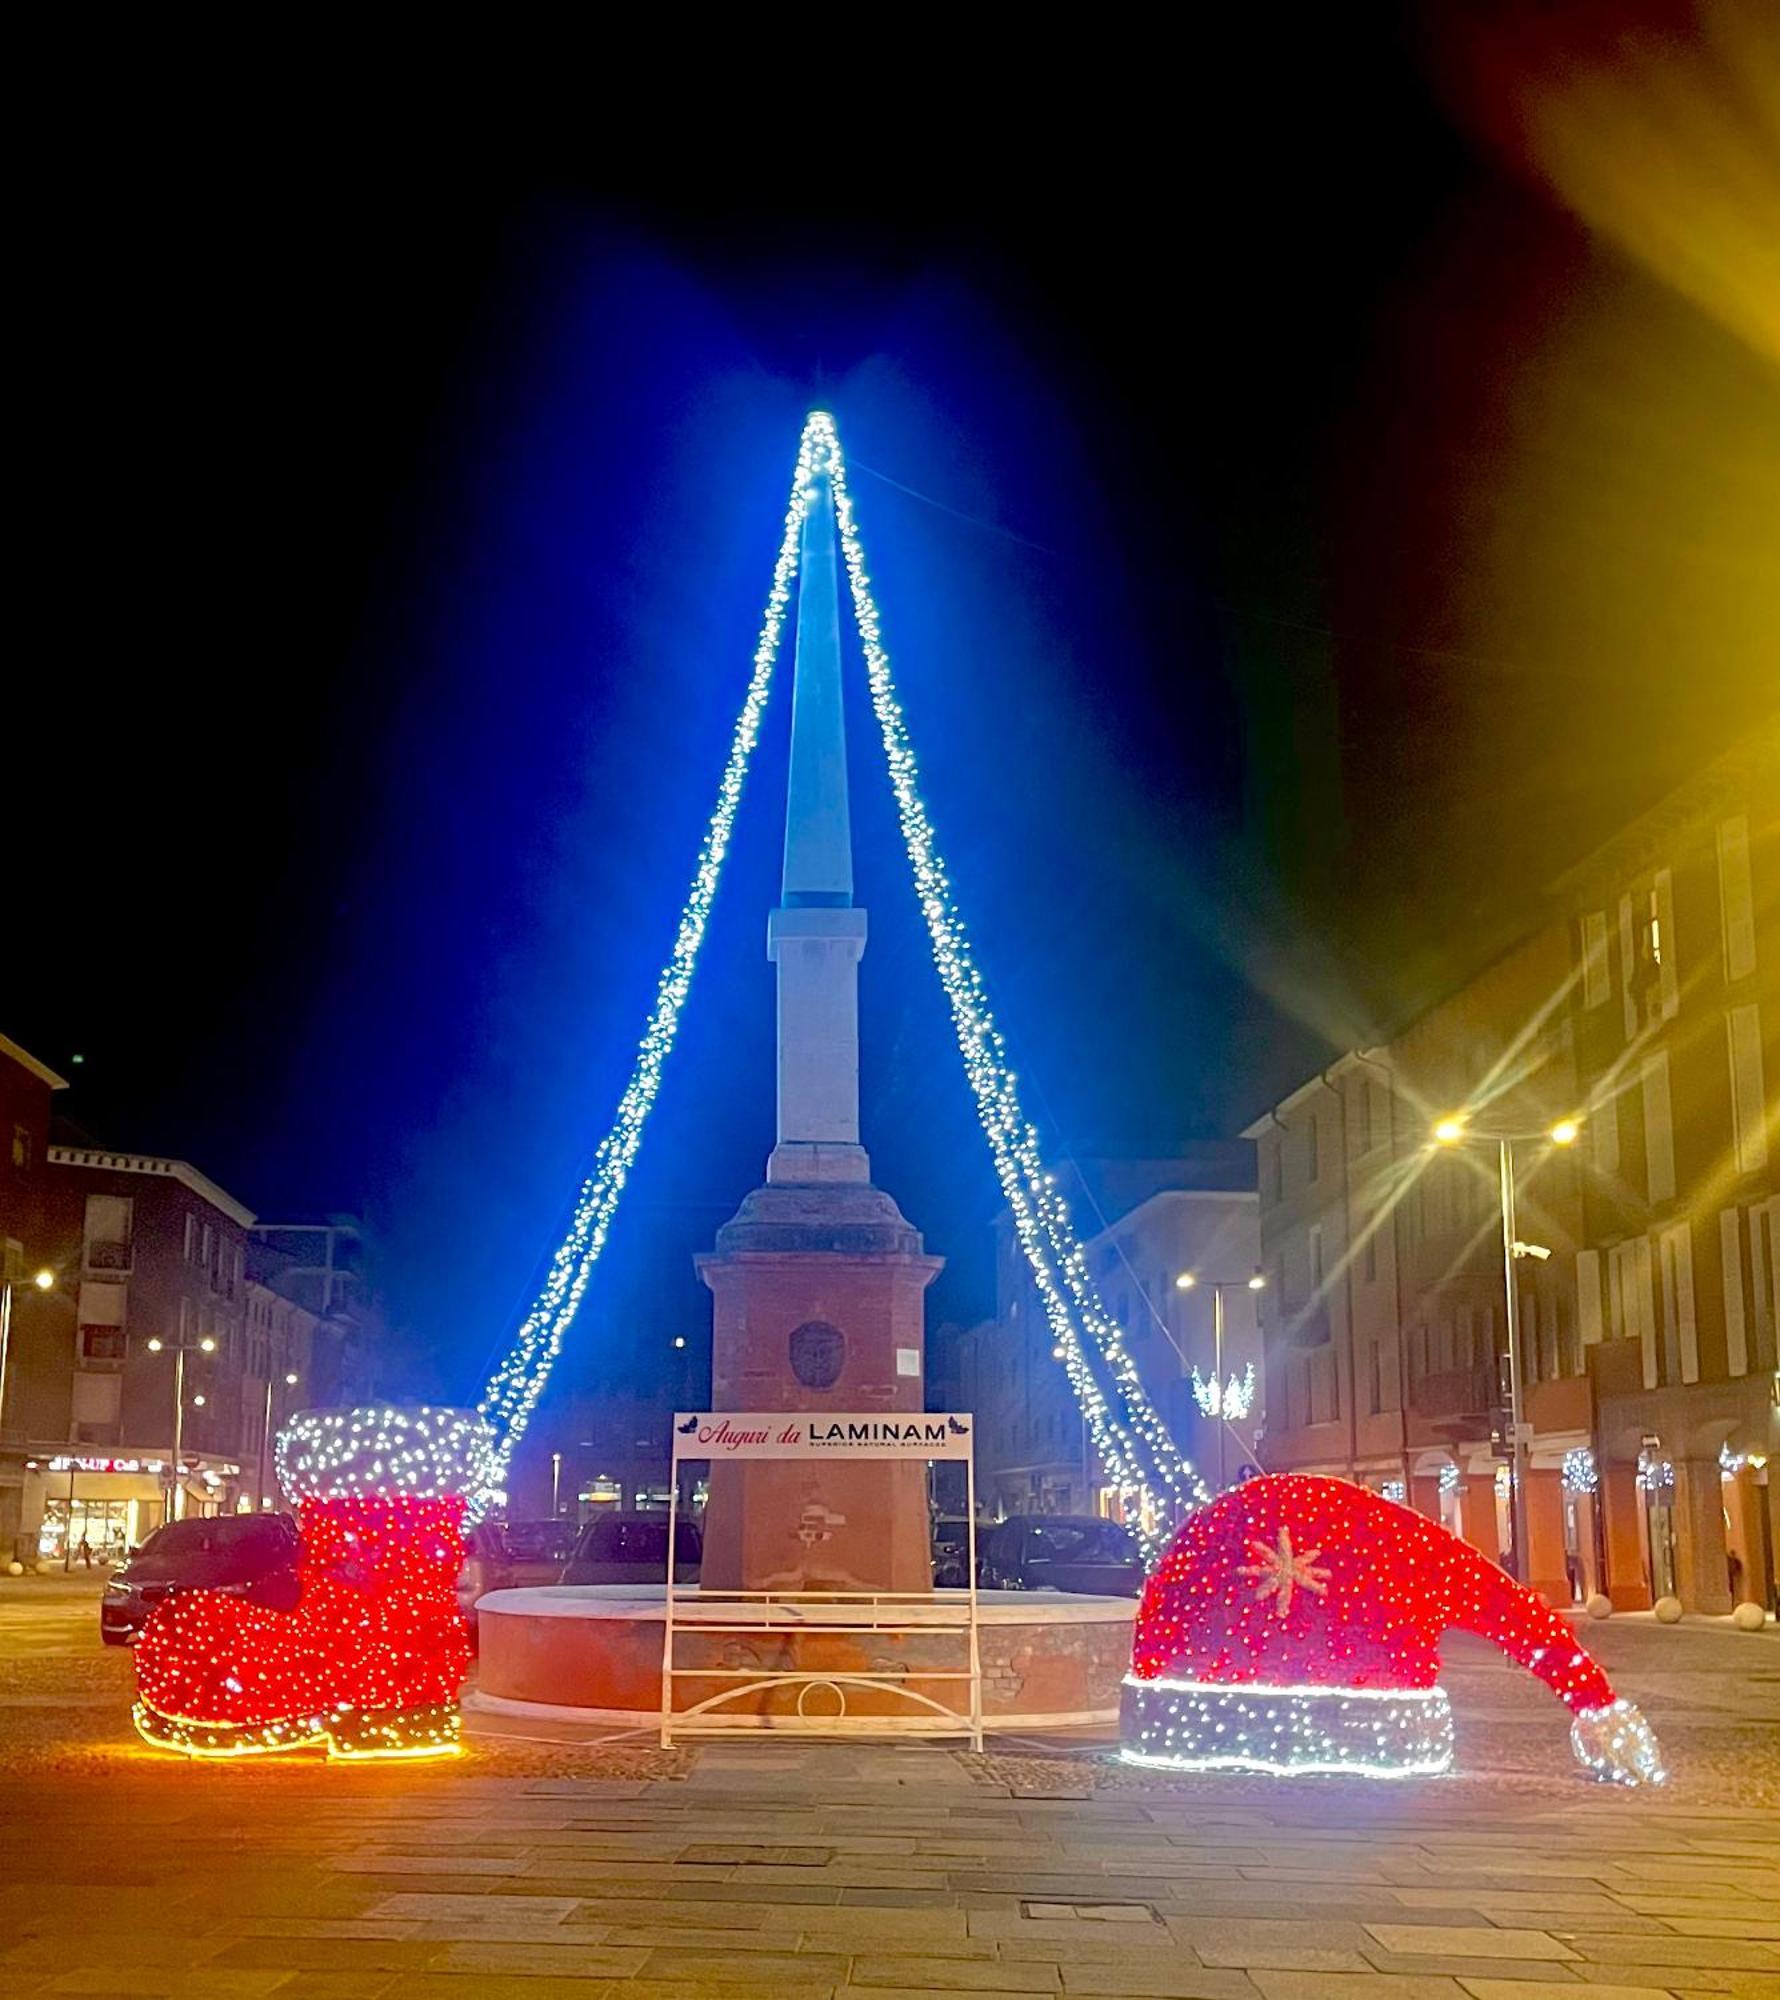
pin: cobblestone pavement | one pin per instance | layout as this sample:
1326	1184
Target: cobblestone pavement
541	1871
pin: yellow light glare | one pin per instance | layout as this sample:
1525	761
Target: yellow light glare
1449	1131
1185	1282
44	1280
1257	1282
207	1345
154	1346
1566	1132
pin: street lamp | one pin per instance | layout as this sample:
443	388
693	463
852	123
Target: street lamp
180	1349
1186	1282
290	1382
1455	1130
43	1280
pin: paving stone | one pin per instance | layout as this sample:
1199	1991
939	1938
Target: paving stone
336	1986
1548	1989
716	1968
1469	1941
1727	1952
1184	1981
1283	1943
152	1984
1363	1986
954	1975
516	1903
575	1961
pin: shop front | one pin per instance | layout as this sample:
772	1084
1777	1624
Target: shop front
96	1507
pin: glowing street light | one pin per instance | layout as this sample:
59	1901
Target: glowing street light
44	1280
1188	1281
1451	1131
180	1349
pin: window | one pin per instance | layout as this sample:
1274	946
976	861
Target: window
191	1237
1312	1163
1603	1131
108	1232
1681	1345
1278	1150
1378	1115
21	1148
1597	974
1628	969
101	1344
1588	1295
1736	901
1371	1252
1748	1128
1662	945
1316	1258
1730	1251
1659	1127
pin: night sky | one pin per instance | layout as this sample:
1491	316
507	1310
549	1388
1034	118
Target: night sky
1299	534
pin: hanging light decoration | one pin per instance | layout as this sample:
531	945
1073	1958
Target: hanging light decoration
1233	1398
1128	1432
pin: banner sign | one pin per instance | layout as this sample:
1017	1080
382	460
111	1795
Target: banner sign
729	1434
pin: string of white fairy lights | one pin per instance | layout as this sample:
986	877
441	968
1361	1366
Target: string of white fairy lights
514	1388
1128	1432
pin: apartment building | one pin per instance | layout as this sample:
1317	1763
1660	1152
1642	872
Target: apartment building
1638	1024
1145	1225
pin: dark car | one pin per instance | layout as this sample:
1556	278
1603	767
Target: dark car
1076	1552
509	1555
248	1555
951	1553
632	1548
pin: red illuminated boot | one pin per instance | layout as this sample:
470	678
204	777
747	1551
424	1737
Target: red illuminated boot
370	1662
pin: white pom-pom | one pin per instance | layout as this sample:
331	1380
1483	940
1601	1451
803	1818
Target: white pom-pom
1617	1744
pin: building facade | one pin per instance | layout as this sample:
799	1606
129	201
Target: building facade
1192	1215
27	1089
156	1306
1639	1024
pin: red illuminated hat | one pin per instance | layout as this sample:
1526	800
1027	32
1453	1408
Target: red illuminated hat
1295	1623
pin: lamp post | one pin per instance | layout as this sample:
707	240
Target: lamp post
1456	1131
1188	1281
43	1280
555	1484
290	1382
180	1349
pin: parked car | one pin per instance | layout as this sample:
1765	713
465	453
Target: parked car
513	1555
1076	1552
632	1548
951	1553
247	1555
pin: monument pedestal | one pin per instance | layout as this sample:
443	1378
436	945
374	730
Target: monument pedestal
817	1305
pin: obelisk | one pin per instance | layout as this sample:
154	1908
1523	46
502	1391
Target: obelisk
817	1282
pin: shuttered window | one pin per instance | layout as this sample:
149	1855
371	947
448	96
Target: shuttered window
1681	1341
1588	1295
1736	898
1743	1025
1659	1127
1597	974
1662	943
1628	968
1730	1250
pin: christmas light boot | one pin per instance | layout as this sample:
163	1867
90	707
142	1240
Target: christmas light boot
1294	1624
370	1662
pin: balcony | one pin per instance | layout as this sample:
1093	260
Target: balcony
108	1256
1462	1397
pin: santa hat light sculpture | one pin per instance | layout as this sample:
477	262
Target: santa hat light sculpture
1294	1625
